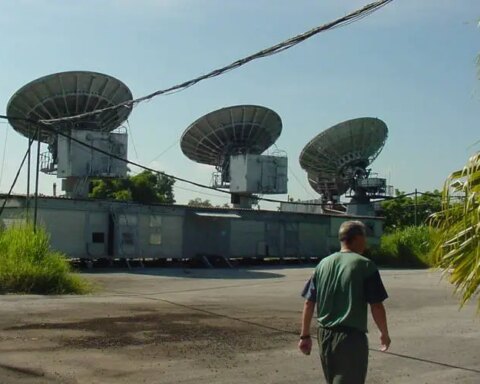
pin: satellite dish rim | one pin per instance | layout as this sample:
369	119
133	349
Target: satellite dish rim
271	124
19	125
310	146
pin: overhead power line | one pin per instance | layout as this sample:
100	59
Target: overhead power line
273	50
49	124
111	155
180	179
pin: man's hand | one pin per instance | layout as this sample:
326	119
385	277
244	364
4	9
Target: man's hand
380	316
384	342
305	346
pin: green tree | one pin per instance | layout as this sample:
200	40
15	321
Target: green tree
200	203
146	188
400	212
457	248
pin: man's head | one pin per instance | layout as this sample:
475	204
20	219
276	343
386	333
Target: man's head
353	236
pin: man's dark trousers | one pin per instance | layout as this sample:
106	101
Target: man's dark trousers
344	355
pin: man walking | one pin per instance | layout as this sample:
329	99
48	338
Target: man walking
342	286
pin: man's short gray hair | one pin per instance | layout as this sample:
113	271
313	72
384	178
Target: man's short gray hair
349	229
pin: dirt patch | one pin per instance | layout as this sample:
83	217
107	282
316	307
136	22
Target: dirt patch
178	335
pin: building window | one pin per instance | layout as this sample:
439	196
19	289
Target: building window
155	239
98	237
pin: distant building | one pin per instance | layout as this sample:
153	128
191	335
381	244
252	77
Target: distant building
94	229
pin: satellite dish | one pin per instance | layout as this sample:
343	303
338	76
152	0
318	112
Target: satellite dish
67	94
241	129
350	144
338	156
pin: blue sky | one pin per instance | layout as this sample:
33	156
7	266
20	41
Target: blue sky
412	64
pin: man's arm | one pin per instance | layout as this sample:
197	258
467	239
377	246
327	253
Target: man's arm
307	315
309	293
375	294
305	344
380	317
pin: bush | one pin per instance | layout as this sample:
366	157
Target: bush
409	247
28	265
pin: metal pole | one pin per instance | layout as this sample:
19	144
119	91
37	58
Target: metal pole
35	212
28	177
416	193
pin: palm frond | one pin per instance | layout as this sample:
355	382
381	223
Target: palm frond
457	248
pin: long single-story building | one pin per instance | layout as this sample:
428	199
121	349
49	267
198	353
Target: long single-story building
98	229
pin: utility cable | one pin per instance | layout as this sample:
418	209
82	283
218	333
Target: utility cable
199	185
275	49
7	197
129	128
111	155
164	151
200	192
3	156
299	182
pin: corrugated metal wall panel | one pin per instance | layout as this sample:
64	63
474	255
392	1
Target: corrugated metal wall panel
172	237
179	232
67	230
246	238
313	239
160	236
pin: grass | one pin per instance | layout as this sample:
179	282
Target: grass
28	265
409	247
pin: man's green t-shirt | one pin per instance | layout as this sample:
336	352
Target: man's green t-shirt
342	285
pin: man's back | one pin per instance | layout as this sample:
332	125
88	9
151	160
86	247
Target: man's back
341	282
341	287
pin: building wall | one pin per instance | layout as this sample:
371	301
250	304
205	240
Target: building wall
314	239
247	238
205	236
105	229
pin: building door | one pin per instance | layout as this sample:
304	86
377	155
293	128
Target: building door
273	239
96	234
291	239
126	235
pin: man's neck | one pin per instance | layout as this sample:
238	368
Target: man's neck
346	250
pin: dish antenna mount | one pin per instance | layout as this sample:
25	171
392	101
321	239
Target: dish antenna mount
232	140
338	159
68	94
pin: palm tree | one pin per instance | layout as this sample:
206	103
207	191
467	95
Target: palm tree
457	249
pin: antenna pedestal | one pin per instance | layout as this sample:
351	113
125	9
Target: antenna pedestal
233	140
76	187
337	161
242	201
77	164
360	205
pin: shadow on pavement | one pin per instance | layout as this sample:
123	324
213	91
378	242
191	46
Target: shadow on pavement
193	273
213	273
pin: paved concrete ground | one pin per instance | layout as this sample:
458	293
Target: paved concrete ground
223	326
